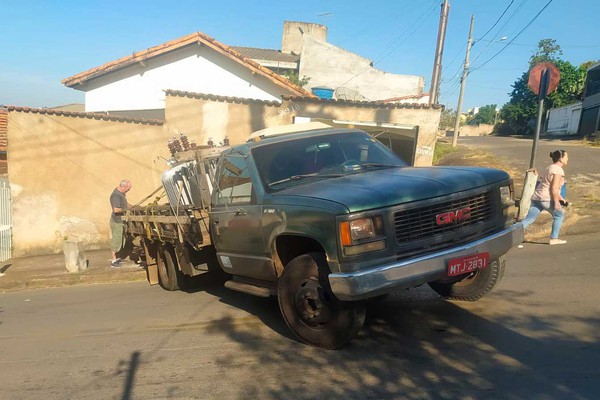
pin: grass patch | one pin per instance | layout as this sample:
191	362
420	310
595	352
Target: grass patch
442	150
592	140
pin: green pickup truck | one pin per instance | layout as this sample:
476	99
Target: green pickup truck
326	220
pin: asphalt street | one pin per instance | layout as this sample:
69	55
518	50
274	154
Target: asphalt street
582	172
535	337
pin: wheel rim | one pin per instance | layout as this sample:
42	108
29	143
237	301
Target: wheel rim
313	303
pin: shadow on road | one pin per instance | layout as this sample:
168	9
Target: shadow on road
416	346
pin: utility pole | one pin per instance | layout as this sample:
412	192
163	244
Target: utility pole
463	81
434	92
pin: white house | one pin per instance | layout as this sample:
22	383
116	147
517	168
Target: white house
563	120
134	85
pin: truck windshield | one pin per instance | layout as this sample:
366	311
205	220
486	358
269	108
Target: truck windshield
303	160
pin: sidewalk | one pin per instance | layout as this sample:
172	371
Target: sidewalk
50	271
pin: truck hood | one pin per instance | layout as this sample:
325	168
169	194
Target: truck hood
388	187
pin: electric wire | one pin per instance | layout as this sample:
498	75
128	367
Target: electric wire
518	34
510	18
498	20
394	45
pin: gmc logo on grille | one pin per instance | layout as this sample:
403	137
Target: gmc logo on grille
453	216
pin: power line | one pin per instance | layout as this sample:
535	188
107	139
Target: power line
487	47
568	46
423	18
498	20
454	58
383	54
518	34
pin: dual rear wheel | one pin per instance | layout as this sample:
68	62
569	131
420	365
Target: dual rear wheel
169	275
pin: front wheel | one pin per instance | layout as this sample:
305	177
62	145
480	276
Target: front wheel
473	286
309	307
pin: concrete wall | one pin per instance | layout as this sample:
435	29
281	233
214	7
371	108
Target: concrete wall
330	66
294	32
62	170
201	118
564	120
426	119
472	130
193	68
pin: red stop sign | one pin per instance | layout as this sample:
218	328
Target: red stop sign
535	76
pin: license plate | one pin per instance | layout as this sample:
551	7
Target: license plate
466	264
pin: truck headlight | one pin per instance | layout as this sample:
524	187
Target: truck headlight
507	195
362	235
361	229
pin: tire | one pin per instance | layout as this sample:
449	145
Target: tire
473	286
311	310
168	272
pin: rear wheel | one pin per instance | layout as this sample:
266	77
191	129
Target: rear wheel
473	286
168	272
309	307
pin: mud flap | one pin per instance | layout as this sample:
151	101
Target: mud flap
152	274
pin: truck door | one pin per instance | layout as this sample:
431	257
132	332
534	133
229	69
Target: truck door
235	221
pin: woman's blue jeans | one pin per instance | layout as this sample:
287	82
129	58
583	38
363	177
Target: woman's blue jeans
536	208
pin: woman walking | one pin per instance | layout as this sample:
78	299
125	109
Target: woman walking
547	196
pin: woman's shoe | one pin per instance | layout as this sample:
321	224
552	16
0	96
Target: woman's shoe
552	242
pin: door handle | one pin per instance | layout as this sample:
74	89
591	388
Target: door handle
240	211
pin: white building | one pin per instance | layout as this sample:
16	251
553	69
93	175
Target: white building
135	85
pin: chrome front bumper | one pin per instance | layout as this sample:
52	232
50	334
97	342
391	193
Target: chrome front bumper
415	271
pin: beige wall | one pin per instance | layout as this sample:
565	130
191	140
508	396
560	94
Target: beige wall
294	32
472	130
353	76
202	117
63	169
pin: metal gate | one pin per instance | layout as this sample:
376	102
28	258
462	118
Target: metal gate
5	222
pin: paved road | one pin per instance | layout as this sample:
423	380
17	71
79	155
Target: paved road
583	171
535	337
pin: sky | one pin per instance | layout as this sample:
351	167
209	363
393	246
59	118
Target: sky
47	41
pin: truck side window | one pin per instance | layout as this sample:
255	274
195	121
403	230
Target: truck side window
234	182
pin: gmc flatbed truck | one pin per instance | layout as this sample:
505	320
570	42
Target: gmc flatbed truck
325	220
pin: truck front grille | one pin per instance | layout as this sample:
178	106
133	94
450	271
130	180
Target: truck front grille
422	223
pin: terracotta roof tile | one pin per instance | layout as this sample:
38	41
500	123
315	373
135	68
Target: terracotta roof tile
3	129
375	104
256	53
228	99
105	117
192	39
410	96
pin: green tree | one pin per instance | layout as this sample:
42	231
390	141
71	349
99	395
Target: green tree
293	77
520	112
486	115
547	51
447	119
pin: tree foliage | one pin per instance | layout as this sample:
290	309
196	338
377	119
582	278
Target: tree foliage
293	77
486	115
447	119
520	112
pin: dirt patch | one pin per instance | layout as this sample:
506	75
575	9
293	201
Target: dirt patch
583	191
467	156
